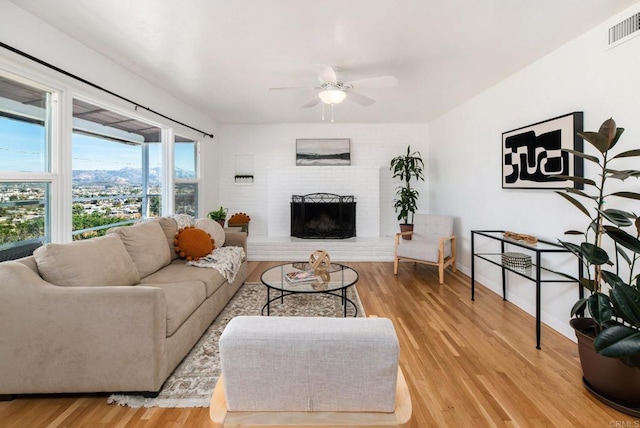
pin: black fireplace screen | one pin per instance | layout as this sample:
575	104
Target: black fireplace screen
323	215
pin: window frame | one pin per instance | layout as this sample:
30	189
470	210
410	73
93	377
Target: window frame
196	180
145	194
52	131
59	144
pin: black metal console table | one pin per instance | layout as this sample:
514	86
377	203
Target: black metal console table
537	273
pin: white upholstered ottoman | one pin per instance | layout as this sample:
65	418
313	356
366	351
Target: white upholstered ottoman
297	366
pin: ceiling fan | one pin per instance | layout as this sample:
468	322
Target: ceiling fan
332	91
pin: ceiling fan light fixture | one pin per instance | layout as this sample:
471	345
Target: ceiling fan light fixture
332	96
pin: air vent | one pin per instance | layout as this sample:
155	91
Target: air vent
624	29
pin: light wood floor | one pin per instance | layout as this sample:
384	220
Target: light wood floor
471	364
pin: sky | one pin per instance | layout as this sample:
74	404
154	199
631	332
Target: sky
22	149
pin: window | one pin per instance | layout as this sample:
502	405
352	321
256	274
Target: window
25	177
114	160
24	122
117	170
186	177
24	214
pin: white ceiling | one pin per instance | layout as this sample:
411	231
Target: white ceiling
221	55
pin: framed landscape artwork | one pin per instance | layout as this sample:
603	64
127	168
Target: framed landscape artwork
328	151
533	155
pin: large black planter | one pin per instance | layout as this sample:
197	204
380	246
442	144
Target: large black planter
609	379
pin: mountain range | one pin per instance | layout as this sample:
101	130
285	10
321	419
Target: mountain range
123	176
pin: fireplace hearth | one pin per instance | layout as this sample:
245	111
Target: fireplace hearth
323	215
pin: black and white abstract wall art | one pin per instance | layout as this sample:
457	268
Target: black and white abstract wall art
329	151
533	155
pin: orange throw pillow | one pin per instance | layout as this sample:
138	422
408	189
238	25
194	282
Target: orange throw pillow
192	243
239	218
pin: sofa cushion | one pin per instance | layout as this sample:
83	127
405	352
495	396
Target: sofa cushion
213	228
178	271
146	244
170	228
182	298
96	262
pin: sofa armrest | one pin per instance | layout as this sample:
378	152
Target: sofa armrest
68	339
236	239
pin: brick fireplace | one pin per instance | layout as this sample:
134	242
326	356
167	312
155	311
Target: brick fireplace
363	183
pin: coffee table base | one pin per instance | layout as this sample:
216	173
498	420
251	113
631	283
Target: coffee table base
281	296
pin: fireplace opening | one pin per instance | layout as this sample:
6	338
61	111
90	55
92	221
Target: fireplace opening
323	215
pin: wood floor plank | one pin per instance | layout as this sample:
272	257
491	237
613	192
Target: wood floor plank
467	363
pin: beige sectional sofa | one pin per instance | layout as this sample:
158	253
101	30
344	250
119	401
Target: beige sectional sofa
109	314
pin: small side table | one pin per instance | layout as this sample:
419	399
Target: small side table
537	273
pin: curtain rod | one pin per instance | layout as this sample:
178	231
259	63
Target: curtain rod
93	85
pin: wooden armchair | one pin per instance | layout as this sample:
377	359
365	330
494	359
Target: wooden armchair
432	242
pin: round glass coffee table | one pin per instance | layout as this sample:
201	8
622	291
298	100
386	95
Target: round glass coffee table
334	282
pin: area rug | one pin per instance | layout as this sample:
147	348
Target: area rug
192	382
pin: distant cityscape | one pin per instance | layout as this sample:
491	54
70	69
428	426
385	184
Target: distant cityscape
100	197
98	191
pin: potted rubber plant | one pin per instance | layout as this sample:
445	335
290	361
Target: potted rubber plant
219	215
609	338
407	167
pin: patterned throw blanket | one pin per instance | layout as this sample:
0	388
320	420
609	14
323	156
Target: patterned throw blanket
227	260
184	220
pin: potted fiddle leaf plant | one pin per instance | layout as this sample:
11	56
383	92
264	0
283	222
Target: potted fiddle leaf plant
219	215
609	338
406	167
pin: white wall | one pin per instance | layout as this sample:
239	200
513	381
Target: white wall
465	148
27	33
273	147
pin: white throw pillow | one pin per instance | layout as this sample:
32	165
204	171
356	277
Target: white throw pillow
213	228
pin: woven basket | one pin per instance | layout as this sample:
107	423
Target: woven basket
516	260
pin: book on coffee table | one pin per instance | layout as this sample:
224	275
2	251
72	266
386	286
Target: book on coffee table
300	276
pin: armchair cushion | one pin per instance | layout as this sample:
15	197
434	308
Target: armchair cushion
421	250
428	227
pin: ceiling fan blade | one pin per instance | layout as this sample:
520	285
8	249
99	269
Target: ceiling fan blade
374	82
312	102
328	75
360	99
294	87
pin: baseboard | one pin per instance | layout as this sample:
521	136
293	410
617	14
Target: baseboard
561	326
359	249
